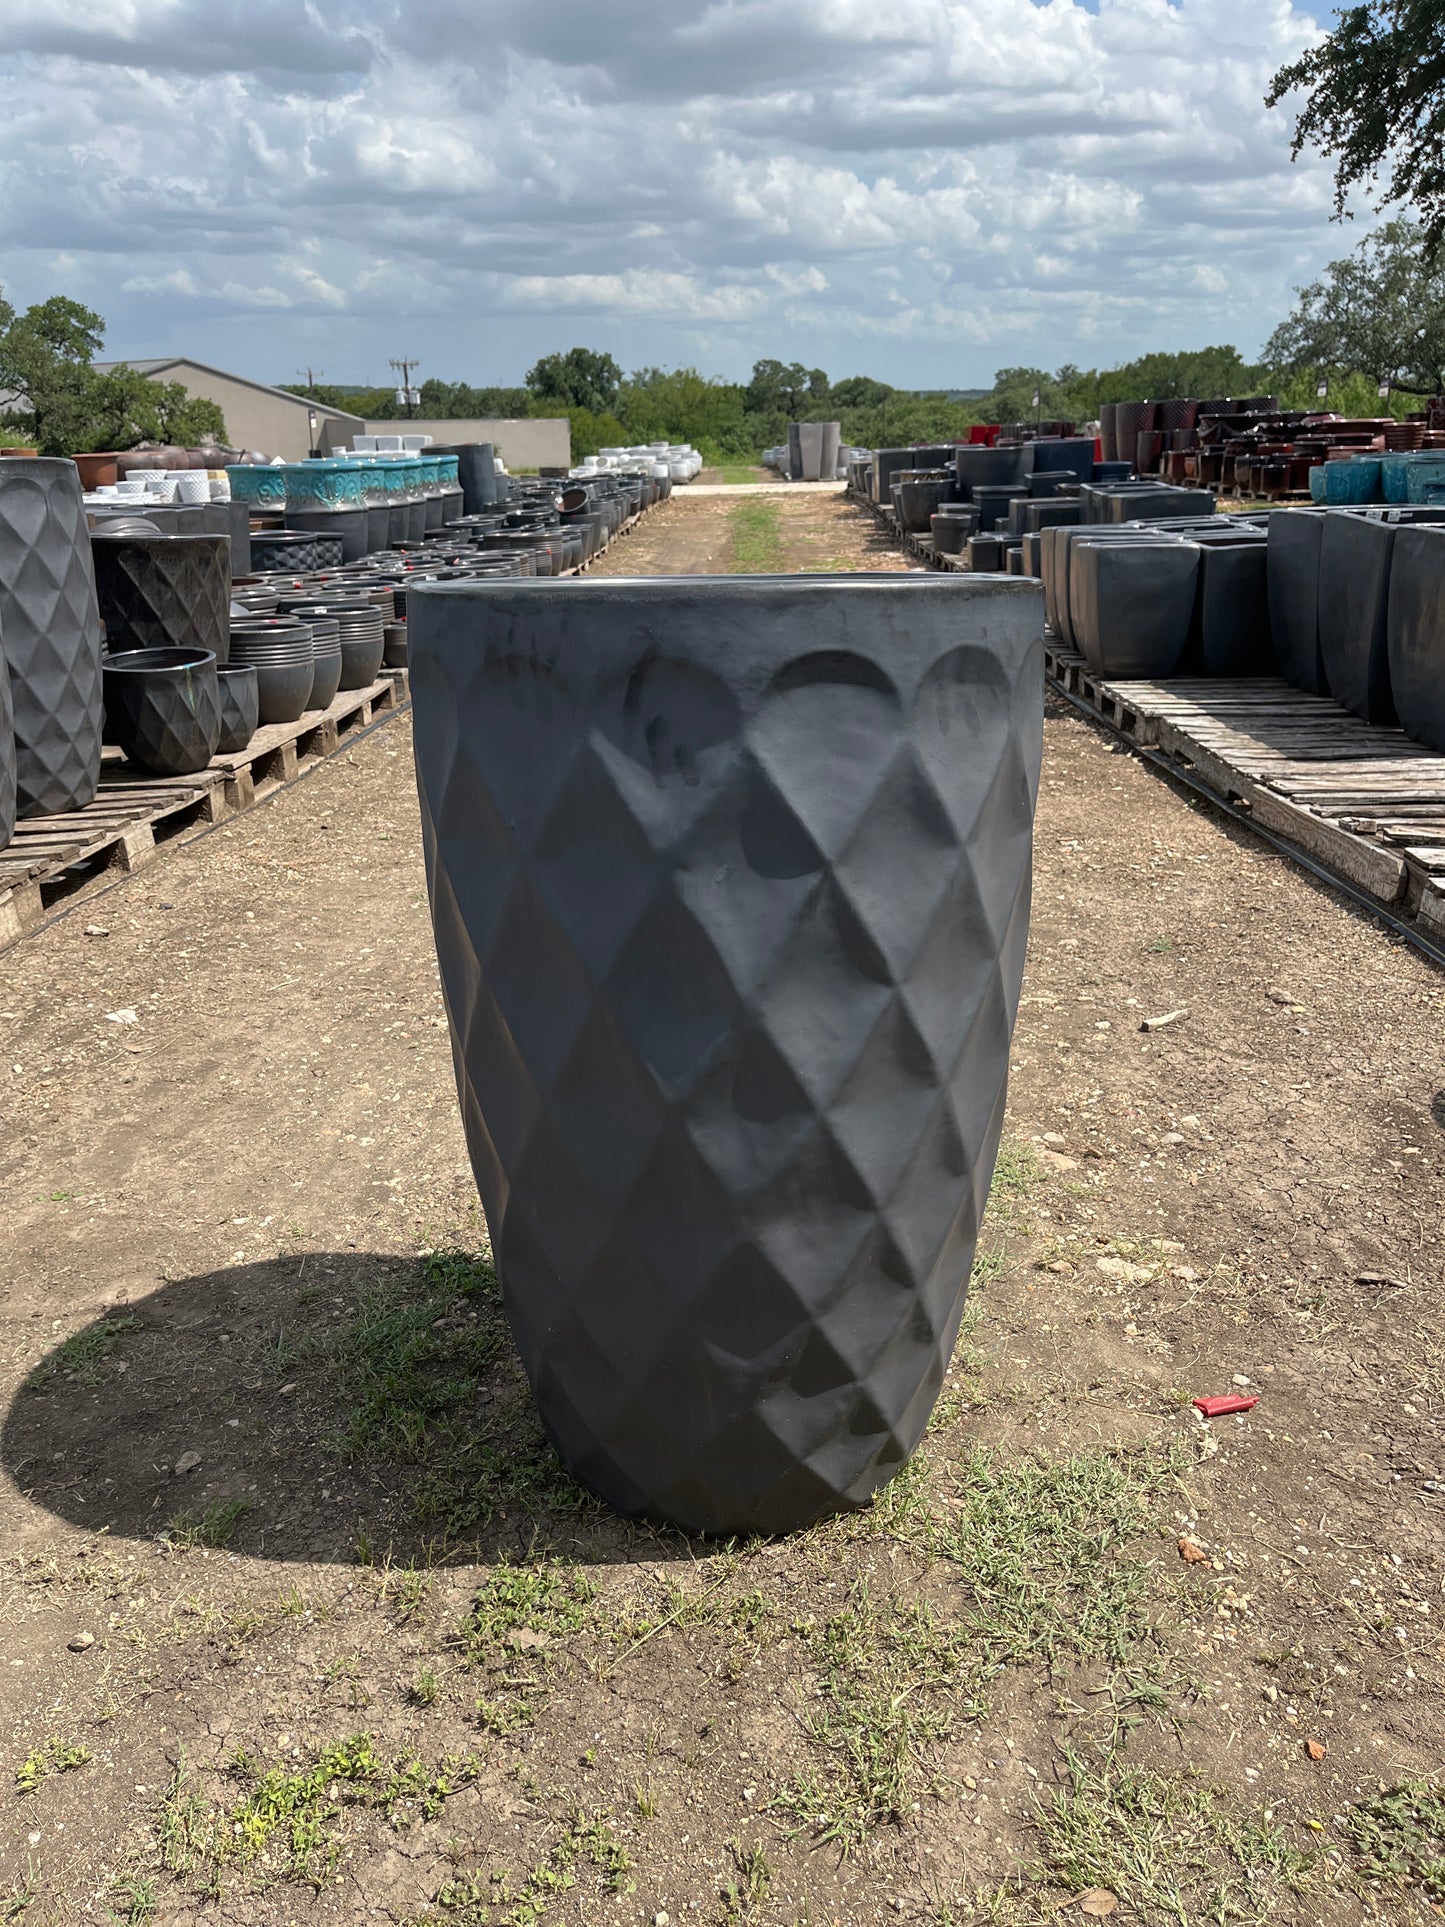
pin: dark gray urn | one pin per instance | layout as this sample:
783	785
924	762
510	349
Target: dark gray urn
1356	559
164	592
51	631
1294	596
1416	632
1131	603
730	885
240	705
163	708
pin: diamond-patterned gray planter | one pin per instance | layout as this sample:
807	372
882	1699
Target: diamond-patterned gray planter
164	592
7	754
51	632
730	885
163	708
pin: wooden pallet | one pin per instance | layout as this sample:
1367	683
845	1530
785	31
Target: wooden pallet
54	858
1366	803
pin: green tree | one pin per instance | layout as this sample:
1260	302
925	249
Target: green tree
1378	312
1375	101
581	378
859	391
459	401
681	405
786	388
372	404
68	406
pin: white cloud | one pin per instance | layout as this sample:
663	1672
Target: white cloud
927	189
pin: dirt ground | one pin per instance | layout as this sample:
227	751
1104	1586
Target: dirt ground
300	1621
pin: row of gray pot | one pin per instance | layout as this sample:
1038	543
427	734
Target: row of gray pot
153	604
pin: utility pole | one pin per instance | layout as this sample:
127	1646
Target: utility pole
313	375
406	394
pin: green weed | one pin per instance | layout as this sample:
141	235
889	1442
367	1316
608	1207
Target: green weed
83	1356
213	1526
1398	1839
1170	1849
288	1825
51	1756
133	1900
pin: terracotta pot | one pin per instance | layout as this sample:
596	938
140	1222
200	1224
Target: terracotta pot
97	470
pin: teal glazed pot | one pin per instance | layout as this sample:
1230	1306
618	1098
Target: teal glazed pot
260	485
323	485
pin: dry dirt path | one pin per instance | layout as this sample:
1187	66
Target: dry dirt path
299	1621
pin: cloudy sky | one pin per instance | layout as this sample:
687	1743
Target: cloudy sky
921	190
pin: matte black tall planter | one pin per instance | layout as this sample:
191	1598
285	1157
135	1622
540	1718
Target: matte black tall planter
730	884
51	632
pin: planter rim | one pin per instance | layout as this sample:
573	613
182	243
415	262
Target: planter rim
138	661
665	588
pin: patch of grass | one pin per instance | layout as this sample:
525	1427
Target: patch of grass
23	1894
751	1884
415	1354
290	1825
1398	1839
406	1590
214	1525
492	1900
132	1900
1172	1850
409	1368
545	1602
1049	1571
53	1755
883	1670
734	476
83	1356
755	529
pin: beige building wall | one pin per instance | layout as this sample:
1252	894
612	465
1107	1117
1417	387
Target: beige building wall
546	443
258	419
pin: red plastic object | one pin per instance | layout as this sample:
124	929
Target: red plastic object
1222	1407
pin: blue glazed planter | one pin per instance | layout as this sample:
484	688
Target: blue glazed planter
322	484
1348	483
1425	472
447	475
1394	473
258	484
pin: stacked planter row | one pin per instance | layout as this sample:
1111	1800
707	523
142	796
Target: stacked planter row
119	627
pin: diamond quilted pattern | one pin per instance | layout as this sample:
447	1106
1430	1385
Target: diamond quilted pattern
164	591
51	632
730	888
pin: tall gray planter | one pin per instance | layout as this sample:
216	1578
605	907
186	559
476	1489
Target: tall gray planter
730	886
7	753
51	630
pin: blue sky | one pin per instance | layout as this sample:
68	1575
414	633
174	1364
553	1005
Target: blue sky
923	191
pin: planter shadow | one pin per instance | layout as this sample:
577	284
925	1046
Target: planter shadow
424	1438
